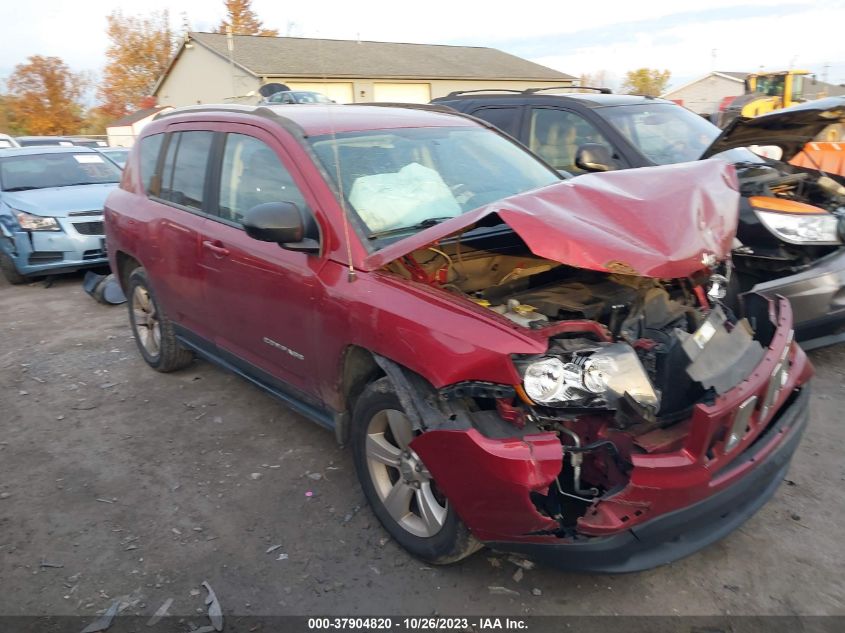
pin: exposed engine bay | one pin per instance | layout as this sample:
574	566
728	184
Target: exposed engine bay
801	185
645	352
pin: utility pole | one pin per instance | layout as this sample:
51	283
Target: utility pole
230	44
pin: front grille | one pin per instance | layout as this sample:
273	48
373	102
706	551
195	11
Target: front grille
74	214
96	253
89	228
45	257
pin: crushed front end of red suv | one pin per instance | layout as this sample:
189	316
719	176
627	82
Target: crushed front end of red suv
652	415
562	369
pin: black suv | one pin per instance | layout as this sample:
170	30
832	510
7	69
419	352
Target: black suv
792	220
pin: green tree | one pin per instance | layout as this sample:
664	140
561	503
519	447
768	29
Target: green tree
243	20
45	97
139	52
646	81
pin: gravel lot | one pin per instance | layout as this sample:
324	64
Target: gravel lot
117	481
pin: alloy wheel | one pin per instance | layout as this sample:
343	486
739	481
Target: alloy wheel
401	480
147	324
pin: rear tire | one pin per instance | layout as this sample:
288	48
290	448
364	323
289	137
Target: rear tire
7	266
152	329
415	514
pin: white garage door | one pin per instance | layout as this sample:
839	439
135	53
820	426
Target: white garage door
337	91
402	93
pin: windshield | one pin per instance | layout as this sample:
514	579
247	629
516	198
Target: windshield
411	177
40	171
311	97
120	156
770	85
665	133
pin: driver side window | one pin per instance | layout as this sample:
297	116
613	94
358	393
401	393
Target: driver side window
556	135
252	174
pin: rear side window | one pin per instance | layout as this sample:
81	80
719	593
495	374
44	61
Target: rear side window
150	148
183	173
506	119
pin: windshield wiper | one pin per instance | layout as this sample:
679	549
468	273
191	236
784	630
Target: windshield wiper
428	222
23	188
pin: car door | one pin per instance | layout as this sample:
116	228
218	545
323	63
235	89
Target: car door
178	195
262	295
555	134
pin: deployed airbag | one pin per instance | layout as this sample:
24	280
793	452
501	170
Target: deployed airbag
403	198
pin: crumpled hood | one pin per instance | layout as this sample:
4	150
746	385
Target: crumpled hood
59	201
653	222
790	129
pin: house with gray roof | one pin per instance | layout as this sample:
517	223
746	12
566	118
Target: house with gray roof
705	94
217	68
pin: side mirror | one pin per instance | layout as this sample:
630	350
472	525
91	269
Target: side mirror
280	222
594	157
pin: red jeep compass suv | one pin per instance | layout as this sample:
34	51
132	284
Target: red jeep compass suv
557	368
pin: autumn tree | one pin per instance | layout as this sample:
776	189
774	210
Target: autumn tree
646	81
139	51
243	20
95	121
7	124
45	97
597	79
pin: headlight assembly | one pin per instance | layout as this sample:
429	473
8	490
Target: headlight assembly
30	222
597	379
795	222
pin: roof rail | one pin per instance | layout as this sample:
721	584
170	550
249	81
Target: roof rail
266	111
604	91
458	93
211	107
434	107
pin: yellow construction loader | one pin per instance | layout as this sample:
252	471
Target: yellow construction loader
765	92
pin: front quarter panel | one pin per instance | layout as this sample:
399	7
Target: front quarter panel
442	339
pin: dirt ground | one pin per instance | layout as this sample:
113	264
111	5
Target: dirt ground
117	481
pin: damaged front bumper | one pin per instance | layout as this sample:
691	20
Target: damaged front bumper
77	246
817	296
695	481
677	534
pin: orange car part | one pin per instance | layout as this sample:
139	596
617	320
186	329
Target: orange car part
829	157
781	205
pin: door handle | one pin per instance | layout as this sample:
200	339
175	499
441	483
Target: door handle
216	247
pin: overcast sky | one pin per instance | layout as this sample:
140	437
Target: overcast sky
688	38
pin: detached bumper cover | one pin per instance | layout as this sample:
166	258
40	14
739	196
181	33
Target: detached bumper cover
817	296
681	533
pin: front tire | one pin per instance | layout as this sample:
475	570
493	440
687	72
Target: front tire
7	266
398	486
152	330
